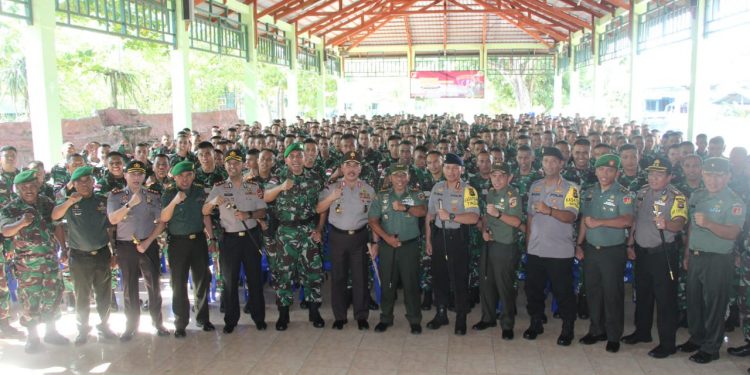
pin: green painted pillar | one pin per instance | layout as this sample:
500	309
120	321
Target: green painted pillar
179	61
250	96
698	84
42	83
557	89
573	77
635	103
320	103
292	95
594	68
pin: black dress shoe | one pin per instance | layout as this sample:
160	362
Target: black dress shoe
544	318
382	327
228	328
613	346
161	331
81	339
339	324
246	309
283	321
703	357
481	326
261	325
362	325
507	334
104	332
127	335
180	333
740	351
33	345
634	338
536	328
207	326
590	339
661	352
415	329
688	347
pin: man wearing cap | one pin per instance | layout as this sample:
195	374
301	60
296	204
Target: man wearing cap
298	235
135	213
182	211
394	219
607	211
26	219
89	256
660	215
500	256
717	217
453	206
240	203
348	202
552	210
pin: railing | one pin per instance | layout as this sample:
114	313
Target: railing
614	42
376	67
215	32
726	14
584	53
17	9
520	64
664	24
307	56
273	46
333	64
151	20
450	62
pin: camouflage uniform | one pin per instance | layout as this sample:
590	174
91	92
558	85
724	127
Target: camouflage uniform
6	194
523	184
682	276
633	183
40	285
425	262
296	253
476	242
175	158
108	182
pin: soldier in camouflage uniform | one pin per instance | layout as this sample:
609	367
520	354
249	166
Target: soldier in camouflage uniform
481	183
27	221
434	175
182	151
114	176
61	177
631	175
523	176
60	172
297	253
8	161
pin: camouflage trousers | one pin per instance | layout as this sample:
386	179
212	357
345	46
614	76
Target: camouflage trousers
681	283
296	255
4	293
216	261
743	298
40	289
476	244
425	267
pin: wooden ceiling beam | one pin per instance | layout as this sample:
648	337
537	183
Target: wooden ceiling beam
378	8
360	39
342	14
407	26
551	11
343	37
290	10
313	10
553	21
276	7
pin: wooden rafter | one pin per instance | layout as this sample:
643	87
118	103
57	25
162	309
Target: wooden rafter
360	39
342	14
313	10
620	3
552	11
484	29
343	37
407	26
527	23
284	12
378	7
445	24
276	7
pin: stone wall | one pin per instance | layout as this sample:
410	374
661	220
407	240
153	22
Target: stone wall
105	128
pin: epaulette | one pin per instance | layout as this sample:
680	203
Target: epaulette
223	182
674	190
199	185
116	191
150	190
624	190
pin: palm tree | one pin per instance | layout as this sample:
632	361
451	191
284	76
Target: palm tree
119	82
14	84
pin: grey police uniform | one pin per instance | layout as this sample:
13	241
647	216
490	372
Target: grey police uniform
348	243
136	226
450	257
240	245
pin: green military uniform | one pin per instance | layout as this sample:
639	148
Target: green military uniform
175	158
476	242
710	263
585	178
6	194
605	255
108	182
402	263
500	257
682	276
208	179
425	261
523	184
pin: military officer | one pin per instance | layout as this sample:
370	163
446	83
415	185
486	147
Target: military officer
26	219
717	217
135	211
660	214
347	202
453	206
607	211
240	204
552	210
500	257
8	160
297	252
182	206
89	256
394	219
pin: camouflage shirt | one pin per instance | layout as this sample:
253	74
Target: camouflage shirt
109	182
299	202
523	183
37	239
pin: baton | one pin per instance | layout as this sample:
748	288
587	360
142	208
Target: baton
657	213
445	249
234	207
375	267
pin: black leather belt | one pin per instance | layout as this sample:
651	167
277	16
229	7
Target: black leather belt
243	233
294	223
77	252
656	250
128	242
446	229
191	236
349	232
402	242
706	253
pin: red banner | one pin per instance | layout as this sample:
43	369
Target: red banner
447	84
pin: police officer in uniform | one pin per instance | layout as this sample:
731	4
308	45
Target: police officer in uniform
240	204
500	257
717	217
394	219
348	202
88	254
607	210
552	210
660	210
453	205
135	211
182	205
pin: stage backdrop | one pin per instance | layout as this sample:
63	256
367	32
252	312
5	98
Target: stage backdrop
447	84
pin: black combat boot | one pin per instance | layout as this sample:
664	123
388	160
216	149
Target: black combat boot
314	315
460	324
283	321
535	328
440	319
427	300
567	333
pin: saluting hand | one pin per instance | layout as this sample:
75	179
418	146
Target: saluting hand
542	208
398	206
338	191
217	201
26	219
75	197
288	184
492	210
591	222
179	197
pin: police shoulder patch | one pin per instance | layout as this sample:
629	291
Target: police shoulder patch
220	183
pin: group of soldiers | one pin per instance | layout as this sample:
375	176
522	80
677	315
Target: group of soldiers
456	215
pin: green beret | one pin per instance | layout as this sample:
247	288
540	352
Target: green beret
500	167
183	166
398	168
716	165
25	176
81	172
296	146
608	160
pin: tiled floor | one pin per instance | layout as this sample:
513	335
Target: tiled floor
303	349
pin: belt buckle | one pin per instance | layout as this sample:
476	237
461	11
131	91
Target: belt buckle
598	247
192	236
241	234
350	232
696	253
94	252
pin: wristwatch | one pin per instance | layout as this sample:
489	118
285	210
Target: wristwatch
452	217
499	215
406	207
